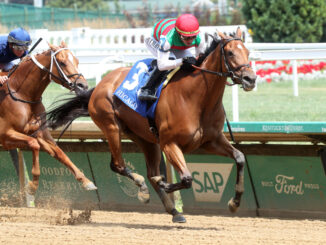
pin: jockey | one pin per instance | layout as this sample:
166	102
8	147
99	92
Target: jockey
12	47
169	43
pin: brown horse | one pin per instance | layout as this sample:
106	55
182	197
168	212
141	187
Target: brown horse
189	116
21	106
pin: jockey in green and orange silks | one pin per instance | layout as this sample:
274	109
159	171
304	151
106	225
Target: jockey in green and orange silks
169	43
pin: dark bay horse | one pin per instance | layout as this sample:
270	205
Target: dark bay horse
21	106
189	116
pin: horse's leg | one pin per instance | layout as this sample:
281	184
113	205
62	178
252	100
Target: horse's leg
176	158
152	154
18	140
221	146
48	144
112	131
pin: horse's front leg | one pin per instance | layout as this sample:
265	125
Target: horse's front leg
14	139
47	144
221	146
176	158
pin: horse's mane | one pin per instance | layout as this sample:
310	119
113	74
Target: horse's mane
208	50
21	74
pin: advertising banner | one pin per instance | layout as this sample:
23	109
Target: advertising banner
214	185
289	183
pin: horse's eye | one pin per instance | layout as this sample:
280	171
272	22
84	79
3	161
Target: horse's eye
61	63
230	53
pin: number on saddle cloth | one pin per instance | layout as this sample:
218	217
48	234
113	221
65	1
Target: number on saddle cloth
127	91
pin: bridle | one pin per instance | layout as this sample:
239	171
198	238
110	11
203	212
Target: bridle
230	72
63	78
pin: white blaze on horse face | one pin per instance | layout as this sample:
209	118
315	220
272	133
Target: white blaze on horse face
71	59
239	46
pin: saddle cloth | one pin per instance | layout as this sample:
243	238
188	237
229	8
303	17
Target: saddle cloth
136	78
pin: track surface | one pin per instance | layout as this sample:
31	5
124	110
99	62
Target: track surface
46	226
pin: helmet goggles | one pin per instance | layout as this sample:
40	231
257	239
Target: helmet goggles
187	38
18	42
20	48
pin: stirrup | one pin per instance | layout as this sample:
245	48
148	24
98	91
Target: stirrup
145	95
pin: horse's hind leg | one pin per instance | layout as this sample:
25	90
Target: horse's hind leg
153	159
221	146
112	131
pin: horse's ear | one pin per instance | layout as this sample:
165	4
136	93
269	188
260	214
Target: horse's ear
221	34
53	47
238	33
63	44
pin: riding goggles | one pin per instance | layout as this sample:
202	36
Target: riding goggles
20	48
187	38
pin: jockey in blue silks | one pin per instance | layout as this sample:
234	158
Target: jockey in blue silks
12	47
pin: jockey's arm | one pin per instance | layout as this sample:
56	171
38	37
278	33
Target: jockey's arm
164	55
164	62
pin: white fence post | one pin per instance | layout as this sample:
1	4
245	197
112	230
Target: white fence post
254	68
295	78
235	103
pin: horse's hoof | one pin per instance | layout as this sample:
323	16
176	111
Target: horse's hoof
233	207
143	194
157	179
178	218
143	197
90	186
31	188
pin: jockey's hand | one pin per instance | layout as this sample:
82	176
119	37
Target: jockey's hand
3	79
187	63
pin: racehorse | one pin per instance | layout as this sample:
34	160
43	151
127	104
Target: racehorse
21	107
189	115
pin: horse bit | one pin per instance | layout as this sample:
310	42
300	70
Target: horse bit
63	78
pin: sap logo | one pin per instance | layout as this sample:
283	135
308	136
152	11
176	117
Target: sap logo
209	180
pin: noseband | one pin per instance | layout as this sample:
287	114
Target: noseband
230	72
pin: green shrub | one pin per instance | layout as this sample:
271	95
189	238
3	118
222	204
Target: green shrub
285	21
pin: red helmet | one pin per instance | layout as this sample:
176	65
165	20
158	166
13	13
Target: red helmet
187	25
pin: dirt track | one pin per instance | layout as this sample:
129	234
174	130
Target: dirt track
43	226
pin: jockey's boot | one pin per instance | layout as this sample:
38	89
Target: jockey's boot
148	91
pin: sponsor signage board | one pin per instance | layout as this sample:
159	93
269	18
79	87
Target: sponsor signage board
289	183
214	184
277	127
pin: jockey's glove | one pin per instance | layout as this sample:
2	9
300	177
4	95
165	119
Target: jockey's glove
187	63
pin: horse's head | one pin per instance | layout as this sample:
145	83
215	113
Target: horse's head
65	68
235	61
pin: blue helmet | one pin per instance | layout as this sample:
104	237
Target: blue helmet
19	36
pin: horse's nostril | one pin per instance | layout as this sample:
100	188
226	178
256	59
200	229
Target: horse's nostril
247	79
82	86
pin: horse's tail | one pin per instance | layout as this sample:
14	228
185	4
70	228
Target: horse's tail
72	108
